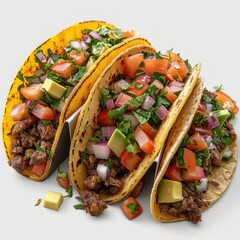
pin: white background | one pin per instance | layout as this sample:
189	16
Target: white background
202	31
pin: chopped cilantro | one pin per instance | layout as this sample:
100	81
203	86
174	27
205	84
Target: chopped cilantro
133	208
84	155
20	76
142	116
218	88
117	111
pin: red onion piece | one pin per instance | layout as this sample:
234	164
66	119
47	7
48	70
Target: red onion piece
117	85
176	86
209	107
101	150
148	102
108	131
203	185
95	35
87	39
162	112
76	44
110	103
132	118
103	171
41	57
212	121
83	45
50	60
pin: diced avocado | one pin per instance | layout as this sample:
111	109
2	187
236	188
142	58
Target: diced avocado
113	35
54	89
222	117
53	200
90	63
169	191
118	142
226	155
99	49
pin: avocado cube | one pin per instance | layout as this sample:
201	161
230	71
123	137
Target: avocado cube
169	191
118	142
53	200
54	89
222	117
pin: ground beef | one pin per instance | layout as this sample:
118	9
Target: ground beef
92	182
215	157
22	125
189	206
17	150
38	157
33	131
113	185
92	204
19	163
46	131
27	141
231	132
91	162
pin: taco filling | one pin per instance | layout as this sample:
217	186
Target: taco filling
44	94
128	121
206	146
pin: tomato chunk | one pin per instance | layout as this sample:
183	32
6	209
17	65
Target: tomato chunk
155	65
201	130
131	208
62	67
144	141
197	143
169	95
39	169
193	175
173	173
189	158
122	100
32	92
103	118
138	90
147	128
131	64
78	57
226	101
183	70
173	74
63	179
130	160
44	112
19	112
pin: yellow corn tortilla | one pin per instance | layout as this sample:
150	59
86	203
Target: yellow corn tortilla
80	93
221	174
88	118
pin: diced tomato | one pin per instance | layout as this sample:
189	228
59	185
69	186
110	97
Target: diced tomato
44	112
131	64
173	74
123	99
202	107
155	65
183	70
130	160
173	173
189	158
131	208
197	143
193	175
19	112
128	34
143	78
32	92
63	179
226	101
201	130
147	128
138	90
78	57
103	118
39	169
169	94
144	141
173	56
62	67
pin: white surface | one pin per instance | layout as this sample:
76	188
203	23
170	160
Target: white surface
202	31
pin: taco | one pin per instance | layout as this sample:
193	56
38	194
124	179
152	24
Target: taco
53	83
124	123
199	160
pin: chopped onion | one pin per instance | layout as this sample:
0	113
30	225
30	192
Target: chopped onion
43	78
103	171
110	103
41	57
50	60
108	131
209	107
61	105
132	118
212	121
162	112
121	83
203	185
90	148
148	102
95	35
176	86
84	46
101	150
208	139
87	39
75	44
39	72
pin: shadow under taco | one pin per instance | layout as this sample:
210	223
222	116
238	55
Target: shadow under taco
199	159
125	121
54	82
